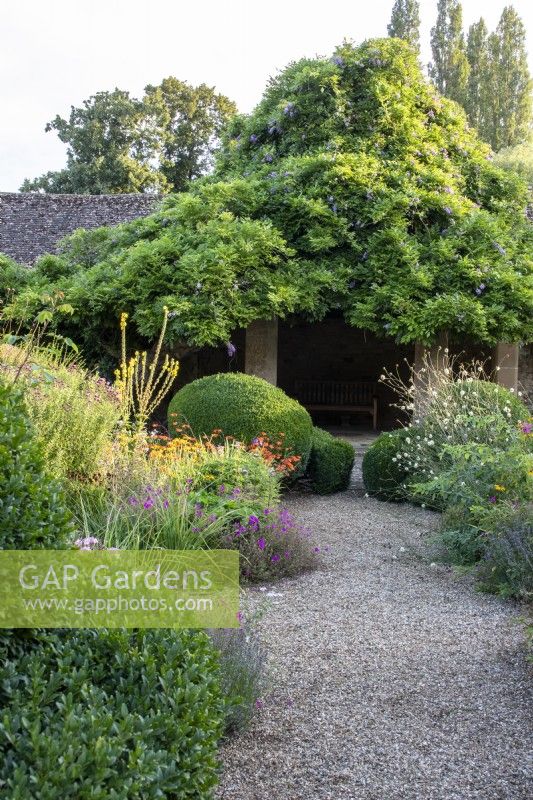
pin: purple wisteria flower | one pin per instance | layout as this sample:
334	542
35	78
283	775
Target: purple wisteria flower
289	110
231	349
338	61
448	210
269	158
254	138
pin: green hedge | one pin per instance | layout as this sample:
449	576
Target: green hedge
383	477
243	406
330	464
32	509
91	715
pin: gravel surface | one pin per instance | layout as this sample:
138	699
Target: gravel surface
392	678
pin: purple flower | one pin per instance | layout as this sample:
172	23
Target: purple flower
275	558
338	61
240	616
253	138
198	510
166	504
499	248
289	110
212	518
261	543
253	521
148	503
492	499
269	158
133	501
230	347
447	210
222	489
259	703
527	427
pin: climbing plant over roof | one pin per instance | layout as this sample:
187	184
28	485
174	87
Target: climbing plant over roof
352	187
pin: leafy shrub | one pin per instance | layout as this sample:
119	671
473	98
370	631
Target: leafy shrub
476	474
384	473
13	277
100	714
272	545
244	407
506	565
74	415
243	669
330	463
459	537
32	507
482	397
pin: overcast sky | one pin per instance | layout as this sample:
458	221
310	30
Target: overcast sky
56	53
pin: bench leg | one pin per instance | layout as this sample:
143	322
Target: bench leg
375	414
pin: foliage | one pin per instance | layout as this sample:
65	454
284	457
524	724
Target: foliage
243	669
100	714
188	122
478	100
32	507
13	277
353	186
244	407
405	22
518	159
506	565
74	413
509	120
140	388
330	463
117	143
183	495
272	545
449	69
384	474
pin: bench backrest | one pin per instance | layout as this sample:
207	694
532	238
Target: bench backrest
335	393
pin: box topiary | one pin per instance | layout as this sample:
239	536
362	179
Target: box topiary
330	463
382	475
243	406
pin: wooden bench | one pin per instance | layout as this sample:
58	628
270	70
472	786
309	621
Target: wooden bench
343	396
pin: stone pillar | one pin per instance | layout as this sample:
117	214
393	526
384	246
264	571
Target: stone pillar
261	351
506	365
429	358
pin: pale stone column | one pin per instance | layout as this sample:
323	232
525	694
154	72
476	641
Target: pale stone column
261	350
506	365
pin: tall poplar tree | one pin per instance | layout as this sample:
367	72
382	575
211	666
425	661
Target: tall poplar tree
478	94
449	68
405	22
509	90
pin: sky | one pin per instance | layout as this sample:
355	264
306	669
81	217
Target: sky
57	53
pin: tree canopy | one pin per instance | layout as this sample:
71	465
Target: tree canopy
405	22
353	187
119	144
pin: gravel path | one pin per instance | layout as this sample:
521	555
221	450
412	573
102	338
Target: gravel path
393	679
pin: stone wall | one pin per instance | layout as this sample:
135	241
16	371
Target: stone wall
32	224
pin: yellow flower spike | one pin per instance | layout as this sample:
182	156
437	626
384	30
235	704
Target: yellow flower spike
499	488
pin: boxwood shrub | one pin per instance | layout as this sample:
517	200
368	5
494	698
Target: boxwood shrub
382	475
330	463
111	714
243	406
